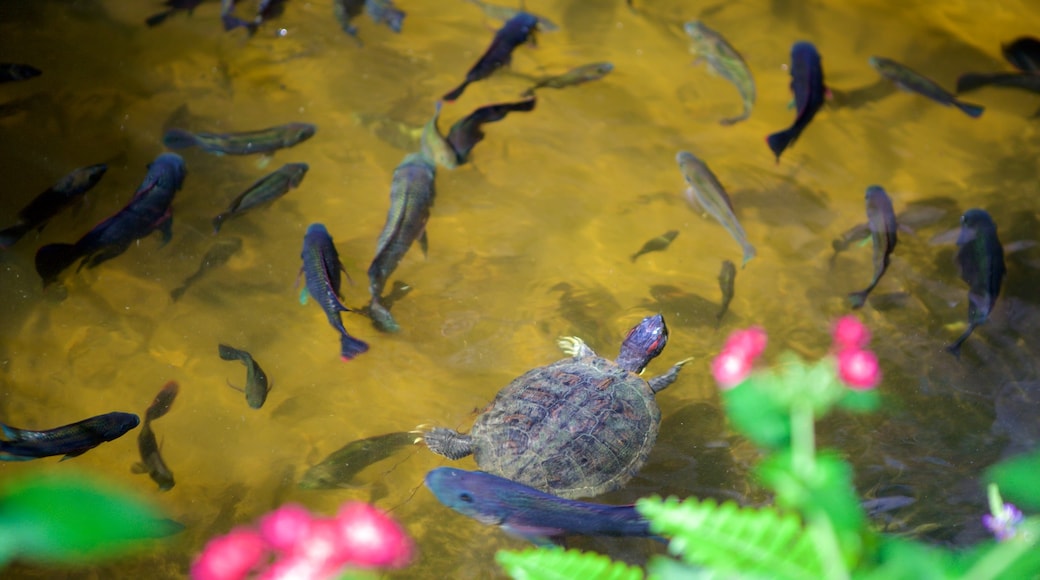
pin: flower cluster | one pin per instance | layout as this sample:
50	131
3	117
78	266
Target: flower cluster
857	367
306	546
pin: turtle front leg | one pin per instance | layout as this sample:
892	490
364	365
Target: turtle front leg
658	384
574	346
451	444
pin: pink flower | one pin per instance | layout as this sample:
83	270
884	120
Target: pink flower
850	333
286	526
858	369
371	538
730	368
750	342
229	557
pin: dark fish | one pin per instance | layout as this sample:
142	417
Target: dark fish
658	244
256	379
908	220
265	190
229	20
151	459
575	76
981	260
321	271
149	210
266	10
10	71
1023	53
809	91
467	132
345	12
69	190
726	61
247	143
516	31
217	255
914	82
706	191
1026	81
882	220
411	197
384	12
162	402
727	277
530	514
339	469
504	13
172	7
69	440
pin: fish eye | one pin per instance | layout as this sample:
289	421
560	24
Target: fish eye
466	497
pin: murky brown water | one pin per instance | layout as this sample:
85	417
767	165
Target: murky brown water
528	242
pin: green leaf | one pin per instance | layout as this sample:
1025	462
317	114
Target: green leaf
860	401
905	560
557	564
1018	479
69	518
755	411
727	538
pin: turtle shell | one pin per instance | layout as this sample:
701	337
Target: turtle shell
576	428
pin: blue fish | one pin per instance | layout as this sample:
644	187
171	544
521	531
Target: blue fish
69	440
882	223
530	514
69	190
321	271
149	210
980	257
516	31
809	91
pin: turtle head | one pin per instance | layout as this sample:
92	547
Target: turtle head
644	342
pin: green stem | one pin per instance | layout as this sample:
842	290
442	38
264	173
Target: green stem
1005	553
803	440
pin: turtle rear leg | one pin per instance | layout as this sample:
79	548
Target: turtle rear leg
574	346
658	384
451	444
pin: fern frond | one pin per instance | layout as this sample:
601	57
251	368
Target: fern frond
557	564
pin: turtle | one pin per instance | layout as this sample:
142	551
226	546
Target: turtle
578	427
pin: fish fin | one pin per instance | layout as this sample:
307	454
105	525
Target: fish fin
973	111
350	280
424	244
138	468
239	389
166	229
350	347
456	92
73	454
219	221
52	259
263	161
303	296
543	537
179	139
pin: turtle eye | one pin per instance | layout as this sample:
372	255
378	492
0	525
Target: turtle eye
466	497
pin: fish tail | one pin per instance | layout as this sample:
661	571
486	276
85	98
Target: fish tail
11	235
973	111
350	347
381	318
157	19
955	348
456	93
858	299
176	293
179	139
779	141
219	221
228	352
749	252
53	259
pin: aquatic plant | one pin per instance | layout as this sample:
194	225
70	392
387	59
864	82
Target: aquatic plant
817	527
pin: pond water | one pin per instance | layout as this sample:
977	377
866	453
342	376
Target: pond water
529	241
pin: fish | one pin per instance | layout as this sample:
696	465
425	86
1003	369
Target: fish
706	191
265	10
467	132
913	217
229	20
809	92
727	276
148	211
12	71
172	7
341	466
516	31
162	402
434	146
67	191
321	271
504	13
1018	80
246	143
345	11
411	197
981	260
384	12
1023	53
528	513
70	440
658	244
882	220
576	76
264	191
726	61
217	255
151	459
256	379
915	82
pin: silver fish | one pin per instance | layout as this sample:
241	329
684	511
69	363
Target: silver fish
706	191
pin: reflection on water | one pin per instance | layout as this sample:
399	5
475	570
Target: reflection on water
529	241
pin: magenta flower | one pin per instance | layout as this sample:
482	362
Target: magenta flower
371	538
858	369
850	334
750	342
286	526
1004	523
229	557
738	355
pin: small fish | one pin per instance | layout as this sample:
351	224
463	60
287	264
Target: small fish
411	197
67	191
809	91
981	260
706	191
726	61
151	459
339	468
434	146
148	211
217	255
1023	53
172	7
576	76
467	132
882	220
384	12
530	514
345	12
504	13
1018	80
914	82
321	271
727	277
247	143
516	31
908	220
10	71
69	440
264	191
256	379
162	402
658	244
